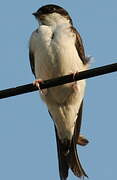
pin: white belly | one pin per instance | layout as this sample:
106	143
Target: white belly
58	57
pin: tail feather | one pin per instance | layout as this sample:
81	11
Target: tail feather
68	158
63	165
74	162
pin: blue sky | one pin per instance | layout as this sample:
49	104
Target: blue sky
27	140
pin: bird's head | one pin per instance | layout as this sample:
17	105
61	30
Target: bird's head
52	14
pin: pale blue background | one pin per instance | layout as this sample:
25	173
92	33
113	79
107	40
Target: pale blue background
27	140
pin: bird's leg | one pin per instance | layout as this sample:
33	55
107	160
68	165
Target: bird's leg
36	83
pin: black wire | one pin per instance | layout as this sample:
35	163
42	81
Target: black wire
59	81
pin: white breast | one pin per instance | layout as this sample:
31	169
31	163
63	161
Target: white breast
56	55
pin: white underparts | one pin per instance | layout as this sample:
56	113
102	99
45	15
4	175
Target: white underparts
55	55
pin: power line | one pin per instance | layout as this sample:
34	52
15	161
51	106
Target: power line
59	81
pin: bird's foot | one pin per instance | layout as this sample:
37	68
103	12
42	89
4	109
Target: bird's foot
82	140
75	84
37	84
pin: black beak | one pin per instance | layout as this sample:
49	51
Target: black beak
35	14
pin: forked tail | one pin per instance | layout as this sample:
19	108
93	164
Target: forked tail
68	158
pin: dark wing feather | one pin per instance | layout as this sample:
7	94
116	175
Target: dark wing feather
74	161
78	124
31	58
31	53
74	158
62	161
79	46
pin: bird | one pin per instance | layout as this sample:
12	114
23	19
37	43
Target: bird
56	49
